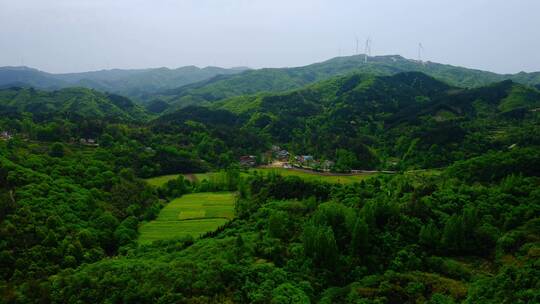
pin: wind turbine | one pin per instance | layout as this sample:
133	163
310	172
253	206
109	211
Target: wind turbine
420	50
367	51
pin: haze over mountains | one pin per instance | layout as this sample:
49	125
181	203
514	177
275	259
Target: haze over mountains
127	82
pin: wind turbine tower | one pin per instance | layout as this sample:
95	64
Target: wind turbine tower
420	50
367	51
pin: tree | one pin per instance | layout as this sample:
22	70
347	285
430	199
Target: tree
287	293
345	160
360	237
277	224
453	234
57	150
320	245
106	140
429	236
339	217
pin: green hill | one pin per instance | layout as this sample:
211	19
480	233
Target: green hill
283	79
136	83
401	116
24	76
70	103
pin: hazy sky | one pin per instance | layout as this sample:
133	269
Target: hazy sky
80	35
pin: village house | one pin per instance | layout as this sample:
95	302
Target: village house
248	160
305	159
5	135
88	142
327	165
275	148
282	155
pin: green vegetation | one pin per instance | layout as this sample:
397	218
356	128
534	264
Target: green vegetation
284	79
313	176
192	214
458	221
388	239
138	84
71	104
405	121
159	181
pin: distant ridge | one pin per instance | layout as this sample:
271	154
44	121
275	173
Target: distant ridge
193	85
132	83
283	79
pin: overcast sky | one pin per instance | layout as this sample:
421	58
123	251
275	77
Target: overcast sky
81	35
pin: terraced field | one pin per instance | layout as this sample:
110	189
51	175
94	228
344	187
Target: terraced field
192	214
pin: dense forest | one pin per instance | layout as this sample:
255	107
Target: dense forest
455	218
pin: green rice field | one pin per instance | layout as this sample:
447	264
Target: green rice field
161	180
342	179
329	178
192	214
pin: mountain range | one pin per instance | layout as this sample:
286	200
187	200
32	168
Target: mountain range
131	83
283	79
161	88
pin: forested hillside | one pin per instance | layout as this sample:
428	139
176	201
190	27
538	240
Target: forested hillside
283	79
454	217
70	104
401	239
409	117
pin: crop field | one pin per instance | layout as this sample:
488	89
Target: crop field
159	181
329	178
192	214
324	177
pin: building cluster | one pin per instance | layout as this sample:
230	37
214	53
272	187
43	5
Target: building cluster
88	142
5	135
248	161
282	157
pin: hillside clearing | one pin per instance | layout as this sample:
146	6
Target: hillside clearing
192	214
161	180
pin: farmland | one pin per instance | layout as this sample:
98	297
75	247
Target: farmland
192	214
306	175
315	176
158	181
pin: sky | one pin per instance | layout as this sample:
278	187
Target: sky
80	35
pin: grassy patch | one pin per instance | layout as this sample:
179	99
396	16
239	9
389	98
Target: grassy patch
192	214
342	179
159	181
329	178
